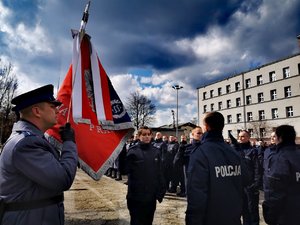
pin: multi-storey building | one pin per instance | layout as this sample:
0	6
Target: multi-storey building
257	100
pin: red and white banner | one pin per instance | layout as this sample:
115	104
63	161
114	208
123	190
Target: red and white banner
95	111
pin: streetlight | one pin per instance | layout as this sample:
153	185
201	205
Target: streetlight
177	88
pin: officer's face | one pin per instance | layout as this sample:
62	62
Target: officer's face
243	137
197	134
48	114
273	138
145	136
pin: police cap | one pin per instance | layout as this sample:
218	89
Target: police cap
42	94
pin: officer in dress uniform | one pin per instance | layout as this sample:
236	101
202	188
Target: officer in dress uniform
215	182
282	180
33	174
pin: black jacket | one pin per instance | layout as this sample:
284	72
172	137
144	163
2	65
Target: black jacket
282	186
145	179
215	185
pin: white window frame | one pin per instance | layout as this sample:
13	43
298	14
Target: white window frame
273	94
274	112
286	72
289	111
249	116
260	97
287	91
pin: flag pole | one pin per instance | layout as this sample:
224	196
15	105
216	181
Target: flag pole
84	20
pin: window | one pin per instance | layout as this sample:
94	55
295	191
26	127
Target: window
248	83
238	101
205	108
272	76
273	94
274	112
228	89
239	117
289	111
212	107
262	132
220	105
237	86
261	114
228	103
249	116
286	72
204	95
260	97
248	100
211	93
287	92
219	91
250	132
259	80
229	119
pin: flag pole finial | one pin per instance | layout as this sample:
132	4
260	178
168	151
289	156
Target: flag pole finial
85	17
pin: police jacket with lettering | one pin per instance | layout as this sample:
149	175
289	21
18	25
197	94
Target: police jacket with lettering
214	187
145	178
32	169
282	186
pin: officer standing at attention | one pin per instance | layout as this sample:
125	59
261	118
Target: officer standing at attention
251	157
33	174
215	182
145	179
282	180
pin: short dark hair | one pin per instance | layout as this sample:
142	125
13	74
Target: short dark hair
286	133
214	120
140	130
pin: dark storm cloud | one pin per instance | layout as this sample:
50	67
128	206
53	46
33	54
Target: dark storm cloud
178	18
135	33
23	10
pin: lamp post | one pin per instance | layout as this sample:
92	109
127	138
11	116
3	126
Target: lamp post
177	88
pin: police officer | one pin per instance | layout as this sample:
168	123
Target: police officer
253	163
34	175
145	180
161	145
215	182
178	167
282	180
173	147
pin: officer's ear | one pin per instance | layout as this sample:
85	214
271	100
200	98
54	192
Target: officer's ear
36	110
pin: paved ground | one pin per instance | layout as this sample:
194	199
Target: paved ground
90	202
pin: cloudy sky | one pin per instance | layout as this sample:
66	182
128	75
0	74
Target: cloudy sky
148	46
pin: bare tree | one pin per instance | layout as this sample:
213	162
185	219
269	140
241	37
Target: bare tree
8	87
260	126
140	109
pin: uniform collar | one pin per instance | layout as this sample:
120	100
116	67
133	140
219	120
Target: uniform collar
24	125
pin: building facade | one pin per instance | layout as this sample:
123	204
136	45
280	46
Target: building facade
257	100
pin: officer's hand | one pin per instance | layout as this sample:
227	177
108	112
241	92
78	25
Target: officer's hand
160	200
67	133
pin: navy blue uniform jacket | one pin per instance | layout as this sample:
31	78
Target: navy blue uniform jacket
282	186
145	178
215	185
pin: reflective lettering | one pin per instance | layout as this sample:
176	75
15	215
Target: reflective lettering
229	171
297	176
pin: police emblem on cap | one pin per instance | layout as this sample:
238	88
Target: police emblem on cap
42	94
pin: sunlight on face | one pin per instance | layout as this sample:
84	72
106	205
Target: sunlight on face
145	136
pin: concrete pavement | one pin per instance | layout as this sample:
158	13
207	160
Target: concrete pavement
90	202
